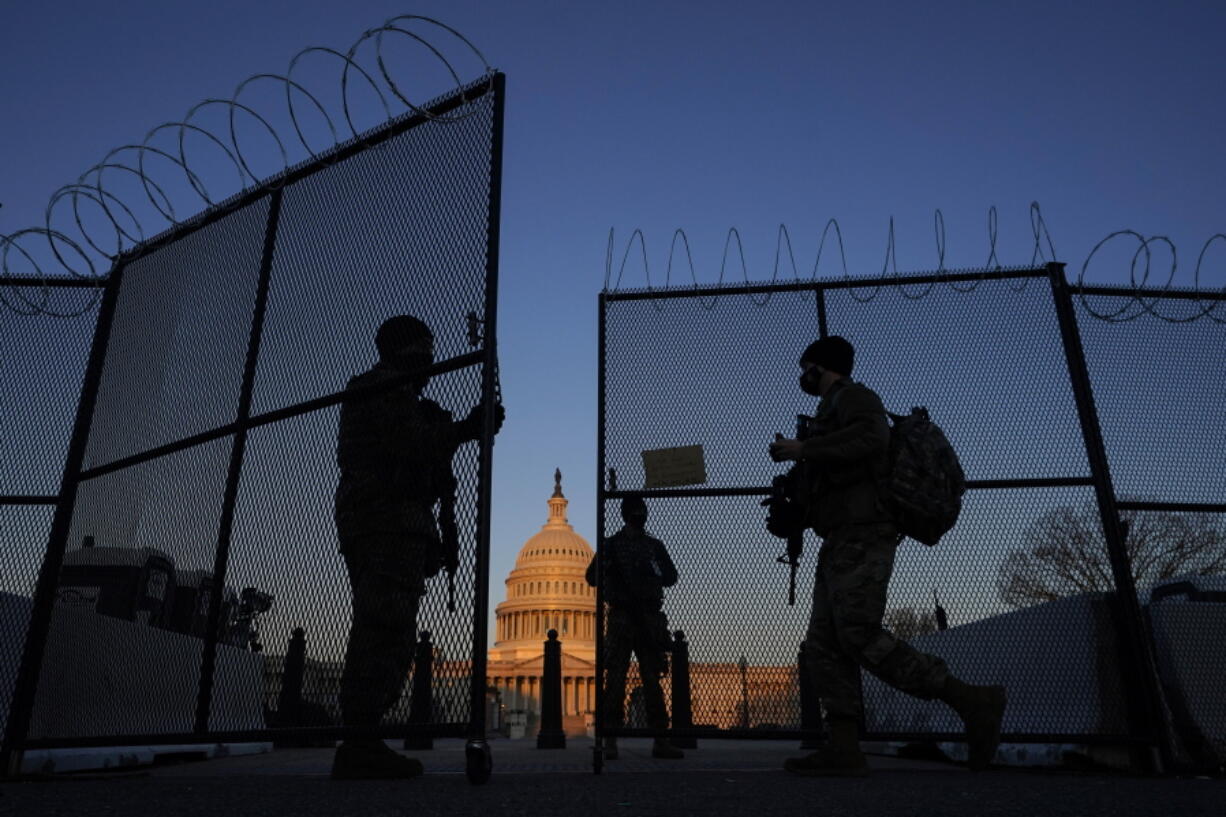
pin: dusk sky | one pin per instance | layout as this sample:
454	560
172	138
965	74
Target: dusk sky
703	116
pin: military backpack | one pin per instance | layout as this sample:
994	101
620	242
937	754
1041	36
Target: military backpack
925	483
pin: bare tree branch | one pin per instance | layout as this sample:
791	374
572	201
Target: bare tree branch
1065	553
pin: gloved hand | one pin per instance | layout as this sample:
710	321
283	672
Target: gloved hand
784	450
476	419
783	517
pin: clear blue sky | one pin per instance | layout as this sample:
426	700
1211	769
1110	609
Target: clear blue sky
704	116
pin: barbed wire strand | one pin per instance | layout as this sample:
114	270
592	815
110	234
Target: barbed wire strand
1144	301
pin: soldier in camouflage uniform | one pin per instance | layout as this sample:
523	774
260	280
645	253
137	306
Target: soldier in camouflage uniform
842	463
634	568
394	449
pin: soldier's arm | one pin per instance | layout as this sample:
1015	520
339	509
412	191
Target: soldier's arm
473	426
432	429
863	431
446	429
470	427
668	570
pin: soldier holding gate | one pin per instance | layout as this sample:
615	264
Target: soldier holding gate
394	449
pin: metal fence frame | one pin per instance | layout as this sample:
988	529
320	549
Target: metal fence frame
16	739
1149	733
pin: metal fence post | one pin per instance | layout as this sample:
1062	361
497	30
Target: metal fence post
551	735
478	760
601	385
21	710
683	713
421	704
1138	668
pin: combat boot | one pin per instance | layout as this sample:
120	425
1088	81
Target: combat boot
981	709
610	748
839	758
372	760
664	750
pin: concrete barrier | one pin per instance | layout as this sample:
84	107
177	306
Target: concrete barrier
1058	661
104	676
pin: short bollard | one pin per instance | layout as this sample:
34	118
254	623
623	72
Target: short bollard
683	715
422	701
551	735
289	701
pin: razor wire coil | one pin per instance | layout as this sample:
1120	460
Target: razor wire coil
86	253
1142	301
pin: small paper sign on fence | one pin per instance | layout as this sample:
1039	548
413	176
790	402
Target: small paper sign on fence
671	467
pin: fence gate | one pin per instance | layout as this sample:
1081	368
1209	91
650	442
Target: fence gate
202	464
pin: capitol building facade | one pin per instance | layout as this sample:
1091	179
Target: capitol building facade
547	591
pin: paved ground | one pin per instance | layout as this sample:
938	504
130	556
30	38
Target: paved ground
720	778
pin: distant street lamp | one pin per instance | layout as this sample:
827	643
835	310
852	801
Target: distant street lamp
744	665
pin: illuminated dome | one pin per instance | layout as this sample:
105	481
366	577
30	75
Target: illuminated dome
547	590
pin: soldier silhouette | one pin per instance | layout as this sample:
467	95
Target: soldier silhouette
394	450
634	568
842	464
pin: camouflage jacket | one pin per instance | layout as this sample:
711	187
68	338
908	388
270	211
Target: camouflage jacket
394	450
845	458
635	567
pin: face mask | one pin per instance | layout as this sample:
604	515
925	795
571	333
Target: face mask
809	382
412	360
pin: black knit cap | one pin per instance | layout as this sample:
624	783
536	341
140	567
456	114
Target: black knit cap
401	331
633	502
833	353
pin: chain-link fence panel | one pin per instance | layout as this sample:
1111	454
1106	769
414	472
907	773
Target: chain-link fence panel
988	364
197	543
40	382
23	534
730	600
114	663
178	342
397	229
1157	390
41	368
989	357
1153	381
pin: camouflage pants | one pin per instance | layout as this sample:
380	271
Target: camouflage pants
623	635
845	633
385	572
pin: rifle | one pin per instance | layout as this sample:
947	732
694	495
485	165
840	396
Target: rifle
796	546
786	518
451	539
